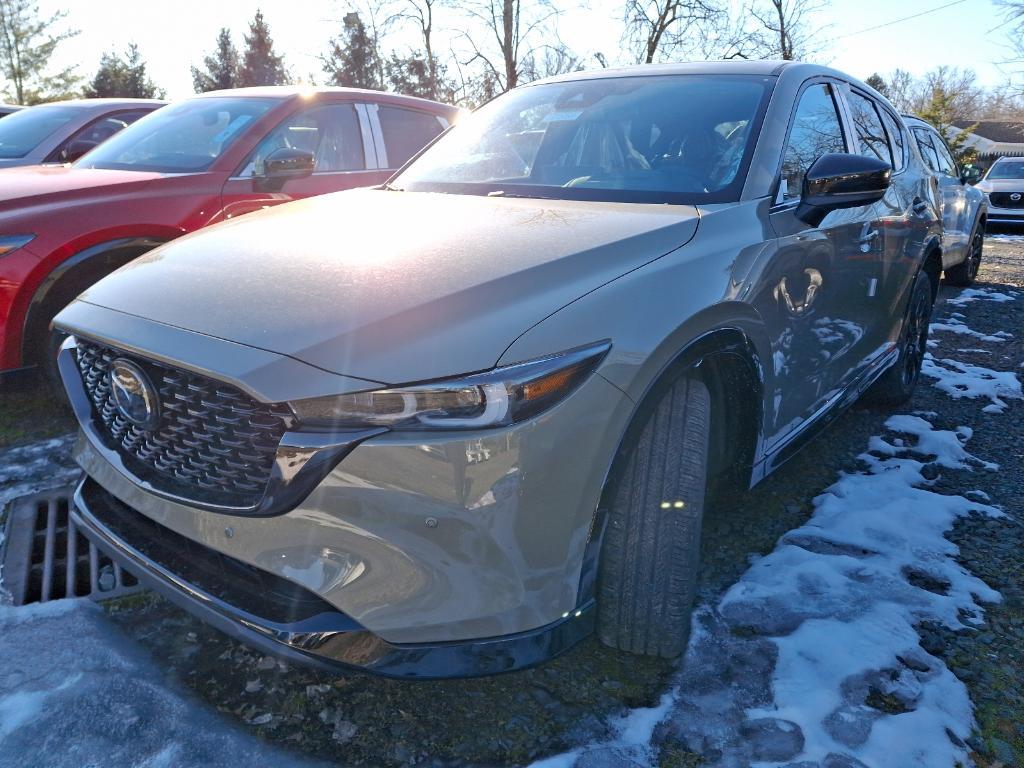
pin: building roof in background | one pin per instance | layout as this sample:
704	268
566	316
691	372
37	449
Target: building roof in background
999	131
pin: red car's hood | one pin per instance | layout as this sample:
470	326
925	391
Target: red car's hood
27	185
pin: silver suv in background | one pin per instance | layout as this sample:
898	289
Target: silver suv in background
63	131
454	424
1003	186
964	210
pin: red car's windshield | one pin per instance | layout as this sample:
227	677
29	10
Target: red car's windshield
181	138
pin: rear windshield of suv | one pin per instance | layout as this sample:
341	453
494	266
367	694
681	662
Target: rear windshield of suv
655	138
23	131
181	138
999	171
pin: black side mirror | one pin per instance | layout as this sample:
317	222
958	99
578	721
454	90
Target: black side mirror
76	149
840	180
284	164
971	175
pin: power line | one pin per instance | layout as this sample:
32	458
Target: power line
899	21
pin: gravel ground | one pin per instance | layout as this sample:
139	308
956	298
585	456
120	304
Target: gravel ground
575	700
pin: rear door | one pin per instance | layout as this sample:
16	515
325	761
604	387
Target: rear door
337	134
951	191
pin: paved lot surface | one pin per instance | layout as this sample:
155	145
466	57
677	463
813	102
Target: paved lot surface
588	707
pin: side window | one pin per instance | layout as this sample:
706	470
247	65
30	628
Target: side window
924	143
868	124
98	131
897	140
816	131
947	164
406	132
330	132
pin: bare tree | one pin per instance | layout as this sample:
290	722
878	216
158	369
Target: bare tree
667	28
1014	12
785	29
516	30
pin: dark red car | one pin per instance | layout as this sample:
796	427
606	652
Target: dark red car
191	164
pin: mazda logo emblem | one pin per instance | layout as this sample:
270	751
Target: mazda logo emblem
134	395
1015	196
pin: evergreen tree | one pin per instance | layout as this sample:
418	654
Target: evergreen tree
413	76
27	42
120	77
352	59
260	65
221	67
876	82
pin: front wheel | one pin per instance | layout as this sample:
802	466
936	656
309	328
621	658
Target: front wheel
965	273
897	384
649	556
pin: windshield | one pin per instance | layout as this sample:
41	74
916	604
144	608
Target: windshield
23	131
674	138
181	138
1006	171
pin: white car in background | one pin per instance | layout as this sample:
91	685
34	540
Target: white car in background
1003	186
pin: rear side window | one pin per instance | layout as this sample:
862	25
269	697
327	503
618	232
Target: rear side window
816	131
897	140
870	133
330	132
928	151
406	132
946	162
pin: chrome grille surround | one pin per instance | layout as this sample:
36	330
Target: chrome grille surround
1003	199
213	443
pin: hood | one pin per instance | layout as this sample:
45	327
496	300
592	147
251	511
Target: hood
42	183
1001	185
392	286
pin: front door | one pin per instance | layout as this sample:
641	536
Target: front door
339	141
811	297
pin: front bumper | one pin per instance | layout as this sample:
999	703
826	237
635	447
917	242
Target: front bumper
446	539
300	627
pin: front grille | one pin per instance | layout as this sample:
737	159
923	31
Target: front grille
213	443
1002	199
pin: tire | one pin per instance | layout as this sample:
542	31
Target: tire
648	569
897	384
965	273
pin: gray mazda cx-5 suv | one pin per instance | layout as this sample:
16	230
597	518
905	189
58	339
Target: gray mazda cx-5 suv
452	425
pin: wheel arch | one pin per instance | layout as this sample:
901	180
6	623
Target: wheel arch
70	277
727	362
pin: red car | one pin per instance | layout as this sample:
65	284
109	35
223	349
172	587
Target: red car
188	165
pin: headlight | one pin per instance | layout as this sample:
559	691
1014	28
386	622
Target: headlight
493	399
10	243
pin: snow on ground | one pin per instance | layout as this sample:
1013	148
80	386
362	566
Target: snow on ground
955	325
30	468
968	295
959	380
790	665
76	692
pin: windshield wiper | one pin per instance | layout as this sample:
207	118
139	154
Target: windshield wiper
389	188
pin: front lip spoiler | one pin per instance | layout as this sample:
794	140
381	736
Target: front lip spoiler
333	641
303	459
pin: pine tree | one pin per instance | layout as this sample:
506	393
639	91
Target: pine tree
260	65
876	82
353	60
221	66
413	76
124	78
27	42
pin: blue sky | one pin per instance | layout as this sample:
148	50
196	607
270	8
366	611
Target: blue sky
172	36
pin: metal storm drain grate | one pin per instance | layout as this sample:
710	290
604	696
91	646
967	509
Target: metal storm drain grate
46	558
